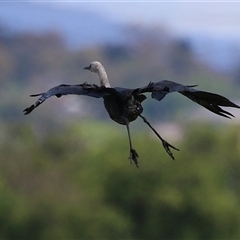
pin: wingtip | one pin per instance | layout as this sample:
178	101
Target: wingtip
28	110
236	106
36	95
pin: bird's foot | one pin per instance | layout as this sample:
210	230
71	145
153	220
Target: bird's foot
167	147
133	157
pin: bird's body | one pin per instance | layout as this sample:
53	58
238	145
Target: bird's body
122	109
124	105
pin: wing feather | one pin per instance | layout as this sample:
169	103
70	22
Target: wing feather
210	101
64	89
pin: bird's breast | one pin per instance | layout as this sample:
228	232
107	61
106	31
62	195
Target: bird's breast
132	110
120	110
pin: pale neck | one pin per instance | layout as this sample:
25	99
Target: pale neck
103	78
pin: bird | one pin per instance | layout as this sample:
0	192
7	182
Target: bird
124	105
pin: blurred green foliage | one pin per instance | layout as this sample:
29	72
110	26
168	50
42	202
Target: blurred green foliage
75	182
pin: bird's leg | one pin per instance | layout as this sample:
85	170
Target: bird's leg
133	153
165	144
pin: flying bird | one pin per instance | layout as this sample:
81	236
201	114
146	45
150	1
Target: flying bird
124	105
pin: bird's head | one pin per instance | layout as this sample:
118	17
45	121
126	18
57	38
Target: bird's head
94	66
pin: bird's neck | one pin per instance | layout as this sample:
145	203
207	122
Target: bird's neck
103	78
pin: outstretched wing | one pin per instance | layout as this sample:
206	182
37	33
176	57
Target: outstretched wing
210	101
64	89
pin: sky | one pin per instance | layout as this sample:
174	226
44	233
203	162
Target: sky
213	26
216	18
184	17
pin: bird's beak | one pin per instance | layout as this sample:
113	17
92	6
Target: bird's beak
87	68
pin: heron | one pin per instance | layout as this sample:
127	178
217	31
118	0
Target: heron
124	105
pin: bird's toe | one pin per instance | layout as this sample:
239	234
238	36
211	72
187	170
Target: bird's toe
134	157
167	147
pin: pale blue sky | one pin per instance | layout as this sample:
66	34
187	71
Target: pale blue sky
218	18
212	26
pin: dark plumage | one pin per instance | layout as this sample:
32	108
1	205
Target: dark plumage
124	105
